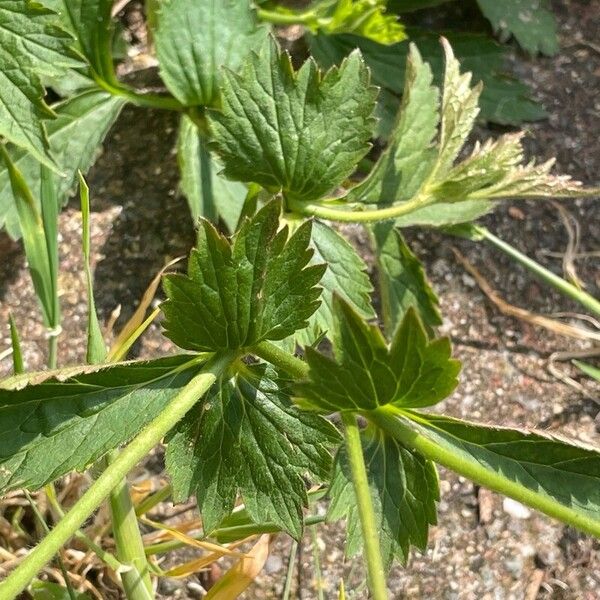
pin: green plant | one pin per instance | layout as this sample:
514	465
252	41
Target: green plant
268	154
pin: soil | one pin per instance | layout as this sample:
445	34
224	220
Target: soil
483	547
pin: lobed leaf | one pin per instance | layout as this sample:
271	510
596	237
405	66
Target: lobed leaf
238	294
367	373
301	133
402	280
248	438
405	164
31	44
195	39
56	422
504	99
404	491
81	124
345	275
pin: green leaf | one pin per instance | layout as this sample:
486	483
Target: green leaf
55	422
92	24
46	590
366	18
367	373
248	438
408	160
459	110
31	45
96	347
588	369
302	133
530	21
404	491
494	171
195	39
402	280
550	474
444	213
345	275
81	124
15	342
209	195
235	295
35	241
504	100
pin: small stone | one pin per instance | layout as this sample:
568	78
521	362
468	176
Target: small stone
514	566
515	509
274	564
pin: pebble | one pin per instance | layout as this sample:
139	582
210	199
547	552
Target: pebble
515	509
274	564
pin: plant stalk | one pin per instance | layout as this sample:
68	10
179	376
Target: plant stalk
356	214
370	531
390	419
286	18
20	578
560	284
128	540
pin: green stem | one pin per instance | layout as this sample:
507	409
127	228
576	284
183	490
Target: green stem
128	540
19	579
289	576
52	350
109	559
282	359
564	287
370	531
136	98
357	214
286	17
390	420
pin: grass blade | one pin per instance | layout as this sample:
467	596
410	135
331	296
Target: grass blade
96	349
17	355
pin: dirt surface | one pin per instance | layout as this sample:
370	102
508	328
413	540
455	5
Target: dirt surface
483	547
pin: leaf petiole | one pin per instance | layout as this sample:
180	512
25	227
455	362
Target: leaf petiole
370	531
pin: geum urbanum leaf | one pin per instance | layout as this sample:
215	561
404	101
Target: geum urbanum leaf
55	422
560	478
195	39
402	280
235	295
75	135
345	275
247	439
504	99
31	45
416	169
404	491
300	133
367	373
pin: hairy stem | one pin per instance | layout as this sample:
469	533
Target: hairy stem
563	286
370	531
392	420
148	100
286	17
356	214
128	540
19	579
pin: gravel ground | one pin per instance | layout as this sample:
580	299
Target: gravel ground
483	547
